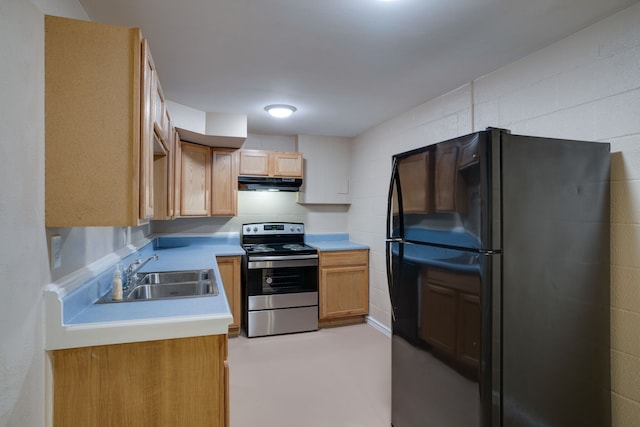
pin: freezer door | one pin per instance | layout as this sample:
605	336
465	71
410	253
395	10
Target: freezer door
443	368
443	193
556	274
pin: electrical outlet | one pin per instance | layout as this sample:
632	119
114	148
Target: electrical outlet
56	251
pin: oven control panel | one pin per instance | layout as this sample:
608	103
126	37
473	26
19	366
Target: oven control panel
270	228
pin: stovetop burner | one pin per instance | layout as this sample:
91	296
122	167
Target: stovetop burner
259	248
278	249
276	239
295	247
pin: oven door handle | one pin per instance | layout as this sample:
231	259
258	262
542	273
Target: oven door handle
282	258
285	263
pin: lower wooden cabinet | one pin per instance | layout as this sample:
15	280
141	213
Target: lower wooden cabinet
343	287
229	267
176	382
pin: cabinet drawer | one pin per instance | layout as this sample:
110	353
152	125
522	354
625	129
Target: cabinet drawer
337	258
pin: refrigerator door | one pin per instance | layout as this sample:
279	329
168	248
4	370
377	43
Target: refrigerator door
442	355
556	276
444	193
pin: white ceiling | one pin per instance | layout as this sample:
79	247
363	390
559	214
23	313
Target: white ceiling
347	65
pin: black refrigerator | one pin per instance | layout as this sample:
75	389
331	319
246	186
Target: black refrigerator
498	272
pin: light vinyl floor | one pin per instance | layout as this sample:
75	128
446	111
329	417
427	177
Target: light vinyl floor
338	377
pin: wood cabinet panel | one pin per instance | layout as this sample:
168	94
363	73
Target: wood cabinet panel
343	292
154	383
195	180
271	163
101	145
92	124
224	173
344	258
148	139
208	183
343	287
286	164
229	268
254	162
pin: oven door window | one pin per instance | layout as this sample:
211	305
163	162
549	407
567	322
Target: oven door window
270	281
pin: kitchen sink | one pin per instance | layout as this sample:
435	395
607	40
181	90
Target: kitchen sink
169	284
167	277
172	290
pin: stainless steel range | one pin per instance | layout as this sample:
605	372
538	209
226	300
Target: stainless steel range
279	280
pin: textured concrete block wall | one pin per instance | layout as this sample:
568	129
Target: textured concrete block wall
586	86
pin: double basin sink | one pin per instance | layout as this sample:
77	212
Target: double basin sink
169	284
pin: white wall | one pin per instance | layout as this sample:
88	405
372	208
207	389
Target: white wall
23	251
24	258
584	87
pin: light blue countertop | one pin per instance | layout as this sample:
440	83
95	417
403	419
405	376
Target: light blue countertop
75	319
332	242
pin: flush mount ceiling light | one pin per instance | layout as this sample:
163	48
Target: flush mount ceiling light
280	110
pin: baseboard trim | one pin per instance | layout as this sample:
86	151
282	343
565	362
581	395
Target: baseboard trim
379	326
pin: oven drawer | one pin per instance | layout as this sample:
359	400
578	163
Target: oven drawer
281	281
282	321
266	302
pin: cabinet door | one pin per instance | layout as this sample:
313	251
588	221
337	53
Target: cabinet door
229	268
93	87
254	162
344	292
174	382
147	133
195	180
224	196
286	164
160	115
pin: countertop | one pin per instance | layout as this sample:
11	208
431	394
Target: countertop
332	242
74	319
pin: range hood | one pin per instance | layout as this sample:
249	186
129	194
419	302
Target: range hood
258	183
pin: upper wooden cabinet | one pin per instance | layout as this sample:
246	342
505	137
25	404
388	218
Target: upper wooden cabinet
206	181
100	146
195	180
271	163
224	182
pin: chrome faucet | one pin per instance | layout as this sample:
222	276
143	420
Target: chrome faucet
132	269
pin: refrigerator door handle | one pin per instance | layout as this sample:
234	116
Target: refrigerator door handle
390	284
394	183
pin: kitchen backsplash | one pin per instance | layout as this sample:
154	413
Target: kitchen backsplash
260	206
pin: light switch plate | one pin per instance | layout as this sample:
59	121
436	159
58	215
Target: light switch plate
56	249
